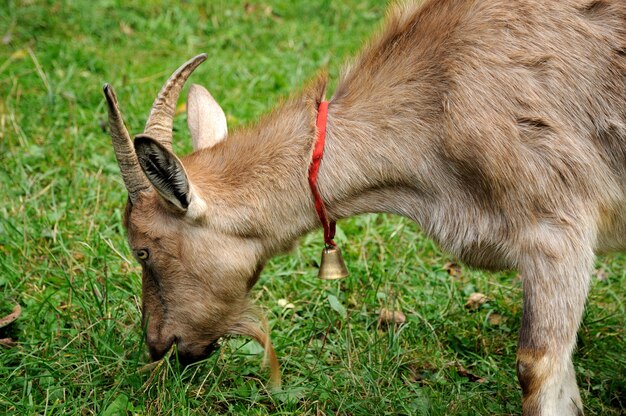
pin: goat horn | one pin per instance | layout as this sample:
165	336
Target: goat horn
133	177
161	119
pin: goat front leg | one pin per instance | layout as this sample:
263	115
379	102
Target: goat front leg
555	283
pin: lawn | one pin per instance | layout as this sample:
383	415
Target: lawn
64	257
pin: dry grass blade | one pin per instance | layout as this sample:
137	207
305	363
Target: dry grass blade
149	367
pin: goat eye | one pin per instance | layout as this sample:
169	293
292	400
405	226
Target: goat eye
142	254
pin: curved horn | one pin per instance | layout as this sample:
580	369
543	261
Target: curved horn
134	179
161	119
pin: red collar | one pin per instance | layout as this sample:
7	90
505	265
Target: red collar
318	153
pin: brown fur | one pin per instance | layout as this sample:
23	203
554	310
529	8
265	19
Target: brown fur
499	126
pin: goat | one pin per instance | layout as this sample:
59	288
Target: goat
498	126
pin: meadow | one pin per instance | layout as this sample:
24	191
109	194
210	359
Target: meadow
78	346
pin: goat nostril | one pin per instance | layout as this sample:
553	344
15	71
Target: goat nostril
159	348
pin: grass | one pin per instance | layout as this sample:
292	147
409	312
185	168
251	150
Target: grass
64	258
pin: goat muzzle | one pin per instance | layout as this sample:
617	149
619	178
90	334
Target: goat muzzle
189	354
158	348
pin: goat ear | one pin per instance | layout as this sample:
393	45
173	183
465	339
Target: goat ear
164	170
205	118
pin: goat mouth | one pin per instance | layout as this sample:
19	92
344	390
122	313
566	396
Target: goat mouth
189	355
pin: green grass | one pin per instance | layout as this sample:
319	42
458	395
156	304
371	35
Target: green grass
64	258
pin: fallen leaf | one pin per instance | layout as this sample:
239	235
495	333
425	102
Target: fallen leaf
17	311
285	304
600	274
495	319
471	377
249	8
7	342
475	300
388	317
126	29
453	269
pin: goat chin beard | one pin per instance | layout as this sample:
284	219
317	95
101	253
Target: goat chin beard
254	324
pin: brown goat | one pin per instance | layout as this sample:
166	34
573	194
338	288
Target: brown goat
499	126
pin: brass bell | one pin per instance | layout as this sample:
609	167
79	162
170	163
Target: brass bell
332	266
